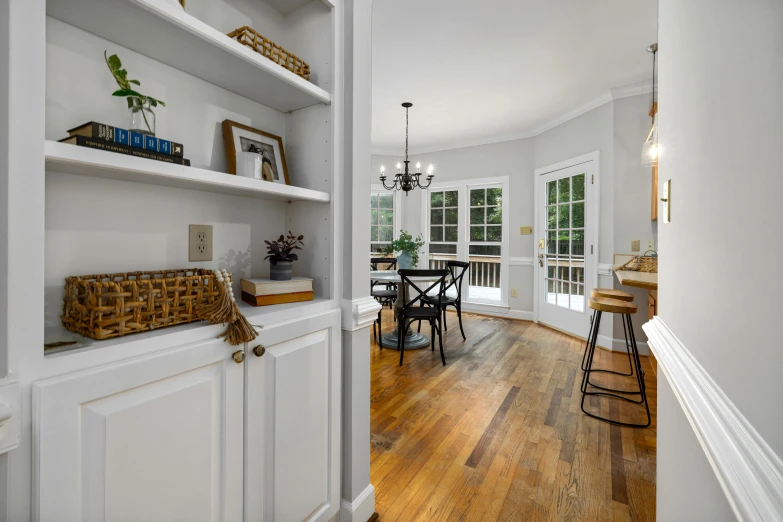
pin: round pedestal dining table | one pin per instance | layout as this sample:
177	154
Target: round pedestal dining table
413	340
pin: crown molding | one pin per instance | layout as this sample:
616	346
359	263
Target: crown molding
749	471
625	91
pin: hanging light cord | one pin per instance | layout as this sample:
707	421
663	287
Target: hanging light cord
655	56
406	139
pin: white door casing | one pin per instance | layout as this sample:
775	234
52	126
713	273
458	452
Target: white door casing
558	256
157	437
292	438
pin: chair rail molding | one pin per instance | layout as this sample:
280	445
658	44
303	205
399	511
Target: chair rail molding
10	425
750	473
520	261
359	313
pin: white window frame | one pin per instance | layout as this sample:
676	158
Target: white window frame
397	211
463	187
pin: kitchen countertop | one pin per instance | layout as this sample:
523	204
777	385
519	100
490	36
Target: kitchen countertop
638	279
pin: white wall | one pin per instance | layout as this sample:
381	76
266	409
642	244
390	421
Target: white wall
721	113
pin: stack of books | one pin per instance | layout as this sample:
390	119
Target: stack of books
114	139
264	292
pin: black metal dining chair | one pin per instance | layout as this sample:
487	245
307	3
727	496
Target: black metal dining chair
457	271
412	310
385	294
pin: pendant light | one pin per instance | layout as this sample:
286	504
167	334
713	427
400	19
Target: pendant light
650	147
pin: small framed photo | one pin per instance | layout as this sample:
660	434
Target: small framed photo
241	138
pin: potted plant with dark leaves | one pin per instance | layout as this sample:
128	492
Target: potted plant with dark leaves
281	256
408	249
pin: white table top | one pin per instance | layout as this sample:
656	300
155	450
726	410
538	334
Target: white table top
393	277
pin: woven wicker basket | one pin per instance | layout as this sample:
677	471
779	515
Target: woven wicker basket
251	38
110	305
643	263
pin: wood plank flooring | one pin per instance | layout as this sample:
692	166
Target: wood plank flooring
498	434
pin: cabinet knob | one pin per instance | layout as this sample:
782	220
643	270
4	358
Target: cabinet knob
259	350
238	356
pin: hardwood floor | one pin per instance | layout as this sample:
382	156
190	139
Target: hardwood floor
498	434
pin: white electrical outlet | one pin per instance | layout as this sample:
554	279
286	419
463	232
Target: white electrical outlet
636	245
200	243
514	292
650	244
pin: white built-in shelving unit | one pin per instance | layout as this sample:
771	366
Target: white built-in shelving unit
195	427
205	77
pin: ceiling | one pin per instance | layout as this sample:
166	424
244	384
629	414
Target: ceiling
287	6
489	70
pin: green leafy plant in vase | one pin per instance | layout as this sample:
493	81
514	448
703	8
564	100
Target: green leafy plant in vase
140	113
281	256
408	249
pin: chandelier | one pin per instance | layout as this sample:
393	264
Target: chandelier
407	181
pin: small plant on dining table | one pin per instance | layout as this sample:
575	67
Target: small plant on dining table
283	248
406	244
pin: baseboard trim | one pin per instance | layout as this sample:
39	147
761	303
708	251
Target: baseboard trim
498	311
361	509
750	473
618	345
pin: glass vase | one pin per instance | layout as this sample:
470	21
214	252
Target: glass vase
141	118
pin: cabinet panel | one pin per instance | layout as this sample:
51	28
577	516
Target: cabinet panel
154	438
292	467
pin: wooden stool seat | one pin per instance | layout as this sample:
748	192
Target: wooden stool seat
613	306
611	293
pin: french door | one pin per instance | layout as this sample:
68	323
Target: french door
566	207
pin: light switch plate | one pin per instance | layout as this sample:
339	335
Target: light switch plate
526	231
636	245
514	292
200	243
650	244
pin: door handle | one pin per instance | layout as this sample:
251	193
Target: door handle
541	260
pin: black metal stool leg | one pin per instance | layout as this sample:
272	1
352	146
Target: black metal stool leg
639	378
587	341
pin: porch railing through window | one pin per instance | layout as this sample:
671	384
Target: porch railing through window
484	270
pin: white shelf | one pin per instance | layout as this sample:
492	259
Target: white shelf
165	32
72	159
164	338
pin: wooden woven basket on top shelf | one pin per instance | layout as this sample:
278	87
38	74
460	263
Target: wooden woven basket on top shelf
110	305
266	47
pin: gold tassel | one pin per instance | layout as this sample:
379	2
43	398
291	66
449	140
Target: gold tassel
225	310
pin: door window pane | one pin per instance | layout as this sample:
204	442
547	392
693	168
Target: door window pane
564	190
578	242
578	192
436	216
551	221
563	242
578	215
563	216
551	192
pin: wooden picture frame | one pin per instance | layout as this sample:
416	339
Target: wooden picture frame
236	134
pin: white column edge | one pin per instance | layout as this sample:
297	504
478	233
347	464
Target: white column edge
361	508
750	473
359	313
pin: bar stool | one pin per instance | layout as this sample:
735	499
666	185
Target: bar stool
625	309
609	293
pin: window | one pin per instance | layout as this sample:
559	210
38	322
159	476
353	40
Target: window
464	221
382	220
444	226
485	242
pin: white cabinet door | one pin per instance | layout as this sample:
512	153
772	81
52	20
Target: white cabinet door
292	422
157	438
